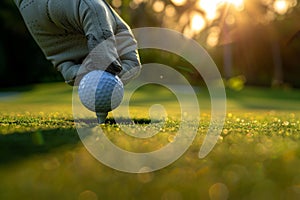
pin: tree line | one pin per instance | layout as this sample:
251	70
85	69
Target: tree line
265	52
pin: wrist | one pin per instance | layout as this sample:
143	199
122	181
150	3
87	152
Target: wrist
114	68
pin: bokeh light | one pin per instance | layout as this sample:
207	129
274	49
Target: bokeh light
158	6
213	37
135	3
198	22
178	2
116	3
281	6
170	11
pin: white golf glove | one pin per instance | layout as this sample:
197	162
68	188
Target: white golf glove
79	36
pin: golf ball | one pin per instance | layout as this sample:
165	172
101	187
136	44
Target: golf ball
100	91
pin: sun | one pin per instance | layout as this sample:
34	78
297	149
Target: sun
239	4
211	7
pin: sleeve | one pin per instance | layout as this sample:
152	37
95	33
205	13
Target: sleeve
110	40
127	50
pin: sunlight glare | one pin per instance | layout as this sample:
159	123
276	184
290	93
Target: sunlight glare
281	6
238	4
211	7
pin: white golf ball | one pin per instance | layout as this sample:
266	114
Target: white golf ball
100	91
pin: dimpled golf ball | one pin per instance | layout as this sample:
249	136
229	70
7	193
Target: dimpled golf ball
100	91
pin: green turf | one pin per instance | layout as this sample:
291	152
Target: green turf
257	155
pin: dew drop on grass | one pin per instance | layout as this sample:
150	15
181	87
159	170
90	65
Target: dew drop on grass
220	139
144	176
171	194
225	131
51	164
218	191
88	195
171	138
286	123
249	134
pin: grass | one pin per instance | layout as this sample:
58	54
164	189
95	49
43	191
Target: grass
257	155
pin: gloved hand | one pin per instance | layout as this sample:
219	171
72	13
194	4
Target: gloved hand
79	36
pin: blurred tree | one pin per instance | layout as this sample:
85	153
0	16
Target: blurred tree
247	37
244	36
21	60
291	50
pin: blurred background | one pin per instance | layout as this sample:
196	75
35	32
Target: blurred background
253	42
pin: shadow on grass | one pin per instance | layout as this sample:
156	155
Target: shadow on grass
25	88
19	146
112	121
